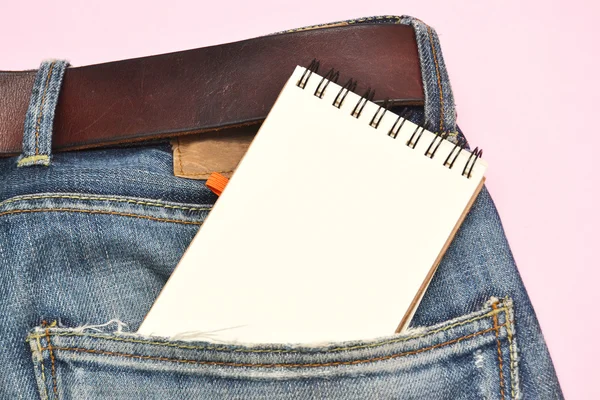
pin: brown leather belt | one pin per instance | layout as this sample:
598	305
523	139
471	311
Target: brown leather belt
211	88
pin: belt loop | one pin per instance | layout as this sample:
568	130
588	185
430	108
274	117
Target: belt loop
37	135
440	111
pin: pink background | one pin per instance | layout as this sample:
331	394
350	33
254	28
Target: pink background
527	90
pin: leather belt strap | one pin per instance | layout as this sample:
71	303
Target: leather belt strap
210	88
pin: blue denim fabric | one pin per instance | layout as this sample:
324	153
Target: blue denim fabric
87	243
440	112
430	363
37	139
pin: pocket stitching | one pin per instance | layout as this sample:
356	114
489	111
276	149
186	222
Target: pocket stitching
90	198
52	360
42	369
299	351
100	212
282	365
499	347
514	378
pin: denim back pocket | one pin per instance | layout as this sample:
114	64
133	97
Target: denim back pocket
82	258
471	357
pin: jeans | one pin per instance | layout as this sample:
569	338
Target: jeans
89	238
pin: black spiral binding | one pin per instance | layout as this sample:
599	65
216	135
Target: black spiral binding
333	75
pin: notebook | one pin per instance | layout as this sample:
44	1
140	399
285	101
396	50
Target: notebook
329	230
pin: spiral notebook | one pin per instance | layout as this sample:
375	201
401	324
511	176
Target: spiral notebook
330	229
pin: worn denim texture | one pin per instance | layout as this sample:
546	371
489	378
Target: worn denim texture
40	114
88	241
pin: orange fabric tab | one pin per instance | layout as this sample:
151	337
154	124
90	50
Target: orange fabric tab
216	182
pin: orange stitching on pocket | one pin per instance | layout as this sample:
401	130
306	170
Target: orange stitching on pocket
40	111
101	212
439	82
497	328
49	348
275	365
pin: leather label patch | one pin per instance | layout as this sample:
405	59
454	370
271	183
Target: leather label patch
198	156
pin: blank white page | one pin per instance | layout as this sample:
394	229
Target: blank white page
325	232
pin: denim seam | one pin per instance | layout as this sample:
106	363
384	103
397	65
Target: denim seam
368	19
514	379
226	349
40	111
499	347
144	203
53	363
437	72
280	365
100	212
42	370
510	356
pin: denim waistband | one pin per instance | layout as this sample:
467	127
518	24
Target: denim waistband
439	113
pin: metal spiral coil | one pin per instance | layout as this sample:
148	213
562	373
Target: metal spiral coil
350	86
